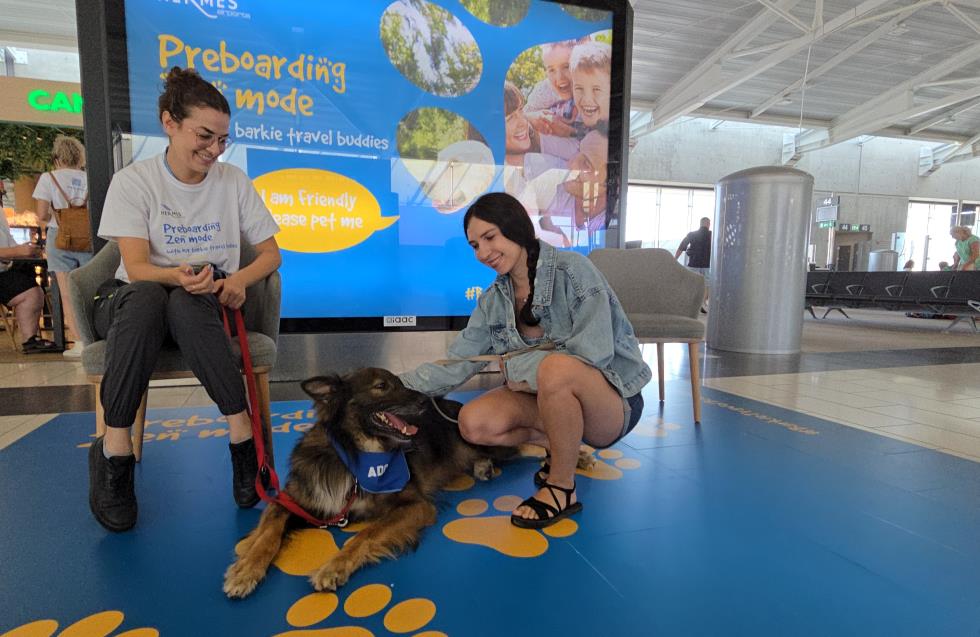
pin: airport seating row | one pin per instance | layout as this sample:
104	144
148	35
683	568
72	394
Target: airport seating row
955	294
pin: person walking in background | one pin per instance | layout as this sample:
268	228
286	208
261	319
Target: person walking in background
56	190
697	244
967	255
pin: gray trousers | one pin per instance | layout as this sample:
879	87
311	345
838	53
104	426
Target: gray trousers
148	316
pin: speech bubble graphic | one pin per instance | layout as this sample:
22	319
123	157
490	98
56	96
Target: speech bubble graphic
319	210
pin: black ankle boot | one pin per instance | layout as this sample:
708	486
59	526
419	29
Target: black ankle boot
110	488
244	466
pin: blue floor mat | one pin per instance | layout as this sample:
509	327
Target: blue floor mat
759	521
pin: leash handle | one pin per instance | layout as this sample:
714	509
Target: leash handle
267	478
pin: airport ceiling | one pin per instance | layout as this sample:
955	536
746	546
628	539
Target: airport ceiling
905	68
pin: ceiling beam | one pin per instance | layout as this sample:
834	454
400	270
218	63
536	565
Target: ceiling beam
869	114
932	159
891	12
785	15
697	91
897	111
946	116
965	19
891	107
788	121
709	69
23	39
830	64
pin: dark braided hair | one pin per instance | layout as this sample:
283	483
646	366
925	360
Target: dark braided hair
507	213
184	89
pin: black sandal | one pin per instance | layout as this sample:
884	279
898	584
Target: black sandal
547	514
36	344
541	475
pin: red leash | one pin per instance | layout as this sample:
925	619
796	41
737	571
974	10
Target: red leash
267	478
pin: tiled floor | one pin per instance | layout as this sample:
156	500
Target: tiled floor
935	406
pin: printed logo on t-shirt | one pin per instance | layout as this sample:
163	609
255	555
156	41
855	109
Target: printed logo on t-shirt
167	211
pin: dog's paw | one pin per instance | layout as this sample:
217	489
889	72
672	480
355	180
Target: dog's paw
483	469
329	578
240	580
586	461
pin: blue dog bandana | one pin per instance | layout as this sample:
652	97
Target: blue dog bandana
377	472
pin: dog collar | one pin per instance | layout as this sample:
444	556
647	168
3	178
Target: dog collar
376	472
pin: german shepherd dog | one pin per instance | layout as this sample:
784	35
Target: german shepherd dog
369	410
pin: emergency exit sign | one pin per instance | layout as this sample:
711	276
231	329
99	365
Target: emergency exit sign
826	224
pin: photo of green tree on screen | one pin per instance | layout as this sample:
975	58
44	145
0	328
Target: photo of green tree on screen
431	48
500	13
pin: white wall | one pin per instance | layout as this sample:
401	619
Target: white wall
874	179
61	66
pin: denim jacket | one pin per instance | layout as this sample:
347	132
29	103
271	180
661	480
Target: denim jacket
579	313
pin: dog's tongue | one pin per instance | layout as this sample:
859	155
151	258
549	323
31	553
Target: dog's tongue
397	423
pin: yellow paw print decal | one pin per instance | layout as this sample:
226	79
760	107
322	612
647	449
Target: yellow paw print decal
97	625
496	531
607	464
655	428
308	613
304	551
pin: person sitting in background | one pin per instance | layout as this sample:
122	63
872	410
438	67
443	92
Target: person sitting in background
67	178
944	266
20	291
909	266
967	255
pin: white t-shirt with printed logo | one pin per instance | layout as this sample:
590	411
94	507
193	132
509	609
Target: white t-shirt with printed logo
72	181
185	223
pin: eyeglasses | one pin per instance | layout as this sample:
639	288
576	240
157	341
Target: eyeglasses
204	140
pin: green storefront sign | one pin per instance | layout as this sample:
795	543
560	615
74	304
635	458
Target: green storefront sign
42	100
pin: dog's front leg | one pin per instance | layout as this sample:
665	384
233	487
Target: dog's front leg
384	537
259	549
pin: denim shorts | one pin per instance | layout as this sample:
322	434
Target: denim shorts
632	410
63	260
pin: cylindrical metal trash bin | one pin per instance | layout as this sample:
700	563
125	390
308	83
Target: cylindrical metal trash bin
759	260
883	261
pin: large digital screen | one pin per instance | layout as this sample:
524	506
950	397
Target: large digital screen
368	128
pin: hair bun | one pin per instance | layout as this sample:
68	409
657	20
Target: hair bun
177	76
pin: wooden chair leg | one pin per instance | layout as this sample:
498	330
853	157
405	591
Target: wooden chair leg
138	428
692	352
99	411
660	368
265	412
9	325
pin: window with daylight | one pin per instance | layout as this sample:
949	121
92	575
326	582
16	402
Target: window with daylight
661	216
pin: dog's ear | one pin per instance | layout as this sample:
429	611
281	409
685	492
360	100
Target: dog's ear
328	391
